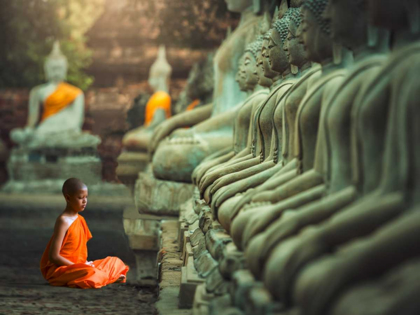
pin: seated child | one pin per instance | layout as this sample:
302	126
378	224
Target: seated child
64	262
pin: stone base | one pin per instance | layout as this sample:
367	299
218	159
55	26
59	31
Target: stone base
130	164
160	197
189	282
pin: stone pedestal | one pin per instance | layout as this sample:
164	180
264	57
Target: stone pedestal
160	197
130	164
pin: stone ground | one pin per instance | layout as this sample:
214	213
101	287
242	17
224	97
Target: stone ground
23	291
26	224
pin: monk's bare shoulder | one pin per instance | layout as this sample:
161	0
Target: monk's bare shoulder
63	223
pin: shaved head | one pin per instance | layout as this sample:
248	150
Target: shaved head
72	185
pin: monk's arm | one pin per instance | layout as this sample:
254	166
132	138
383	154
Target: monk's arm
34	103
60	229
186	119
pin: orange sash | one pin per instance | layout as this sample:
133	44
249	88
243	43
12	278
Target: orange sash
63	96
193	105
159	100
80	275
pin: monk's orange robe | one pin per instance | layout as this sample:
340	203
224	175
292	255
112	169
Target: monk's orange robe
63	96
159	100
80	275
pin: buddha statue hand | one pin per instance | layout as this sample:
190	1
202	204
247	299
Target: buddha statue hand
161	132
22	136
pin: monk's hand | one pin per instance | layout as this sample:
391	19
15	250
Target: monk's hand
89	263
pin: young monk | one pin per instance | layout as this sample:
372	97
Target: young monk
64	262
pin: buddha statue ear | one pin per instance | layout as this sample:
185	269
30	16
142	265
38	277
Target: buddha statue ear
413	12
337	53
258	7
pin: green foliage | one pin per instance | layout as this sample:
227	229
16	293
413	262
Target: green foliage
28	30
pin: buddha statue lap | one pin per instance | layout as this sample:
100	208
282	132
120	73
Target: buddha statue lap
52	146
307	185
385	201
176	158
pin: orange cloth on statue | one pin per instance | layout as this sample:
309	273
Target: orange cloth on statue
80	275
193	105
63	96
159	100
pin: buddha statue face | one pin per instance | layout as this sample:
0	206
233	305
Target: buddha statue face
348	20
56	69
391	14
238	5
262	79
268	71
277	56
55	66
294	47
250	70
315	33
240	76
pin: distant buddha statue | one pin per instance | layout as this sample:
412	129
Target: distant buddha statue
56	110
158	108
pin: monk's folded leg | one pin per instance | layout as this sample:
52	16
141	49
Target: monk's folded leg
113	267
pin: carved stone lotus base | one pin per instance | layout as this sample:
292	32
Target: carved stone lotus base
160	197
130	164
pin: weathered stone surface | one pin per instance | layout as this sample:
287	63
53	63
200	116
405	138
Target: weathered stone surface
130	164
205	264
189	282
160	197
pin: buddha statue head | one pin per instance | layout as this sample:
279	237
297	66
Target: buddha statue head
316	31
240	75
396	15
293	46
251	63
349	22
160	72
238	5
276	38
55	65
262	79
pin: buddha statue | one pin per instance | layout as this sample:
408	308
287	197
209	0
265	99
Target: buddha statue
175	158
158	107
255	84
226	186
52	146
56	110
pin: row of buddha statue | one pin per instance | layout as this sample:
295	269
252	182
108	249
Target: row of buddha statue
305	166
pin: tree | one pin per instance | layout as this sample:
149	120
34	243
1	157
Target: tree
29	28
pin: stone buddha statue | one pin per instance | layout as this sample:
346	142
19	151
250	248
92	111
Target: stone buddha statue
52	146
158	107
255	84
224	187
56	110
